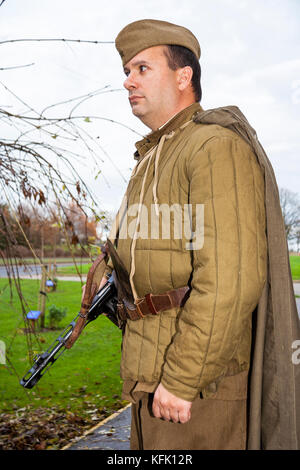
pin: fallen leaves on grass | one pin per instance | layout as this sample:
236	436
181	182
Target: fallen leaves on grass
43	428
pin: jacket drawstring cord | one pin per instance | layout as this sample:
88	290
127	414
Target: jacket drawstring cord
159	149
133	244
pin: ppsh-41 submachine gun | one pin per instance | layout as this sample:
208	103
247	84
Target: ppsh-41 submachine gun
103	302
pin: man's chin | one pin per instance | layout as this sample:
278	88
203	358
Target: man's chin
137	111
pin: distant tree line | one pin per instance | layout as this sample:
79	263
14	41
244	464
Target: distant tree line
47	232
290	206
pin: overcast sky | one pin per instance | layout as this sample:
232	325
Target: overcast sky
250	58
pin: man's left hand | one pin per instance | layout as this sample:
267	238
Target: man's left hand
169	407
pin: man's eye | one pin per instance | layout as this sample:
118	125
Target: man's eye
143	68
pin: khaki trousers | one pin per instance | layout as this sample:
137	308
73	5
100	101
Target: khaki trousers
214	425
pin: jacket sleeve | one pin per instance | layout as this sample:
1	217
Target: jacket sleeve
228	270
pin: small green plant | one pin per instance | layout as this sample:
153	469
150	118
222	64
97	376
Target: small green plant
56	314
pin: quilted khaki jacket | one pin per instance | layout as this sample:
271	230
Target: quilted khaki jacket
211	167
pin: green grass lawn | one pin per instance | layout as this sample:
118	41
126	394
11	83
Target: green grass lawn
84	378
82	268
295	267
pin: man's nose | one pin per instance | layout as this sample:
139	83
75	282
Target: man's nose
130	82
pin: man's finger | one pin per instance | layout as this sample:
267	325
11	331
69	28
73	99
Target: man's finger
156	409
165	413
174	416
103	281
184	416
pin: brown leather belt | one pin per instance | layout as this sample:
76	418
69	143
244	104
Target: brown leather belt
154	304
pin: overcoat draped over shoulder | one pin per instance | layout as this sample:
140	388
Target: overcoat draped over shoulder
274	379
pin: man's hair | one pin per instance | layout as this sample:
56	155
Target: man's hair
180	56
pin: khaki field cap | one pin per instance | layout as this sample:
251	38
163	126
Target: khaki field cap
142	34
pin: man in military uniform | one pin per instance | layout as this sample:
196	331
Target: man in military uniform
187	343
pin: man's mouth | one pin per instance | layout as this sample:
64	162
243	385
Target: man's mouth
134	98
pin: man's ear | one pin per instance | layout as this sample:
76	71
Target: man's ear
184	77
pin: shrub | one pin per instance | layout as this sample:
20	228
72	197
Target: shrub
56	314
21	251
60	252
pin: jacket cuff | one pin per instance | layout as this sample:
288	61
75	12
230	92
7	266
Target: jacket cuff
179	389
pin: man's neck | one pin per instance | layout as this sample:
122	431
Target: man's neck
170	116
165	123
175	114
173	123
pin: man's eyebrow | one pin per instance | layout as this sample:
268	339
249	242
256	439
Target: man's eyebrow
136	63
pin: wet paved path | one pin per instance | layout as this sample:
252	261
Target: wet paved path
297	292
30	271
297	288
113	433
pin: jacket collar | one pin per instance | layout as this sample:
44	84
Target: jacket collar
176	121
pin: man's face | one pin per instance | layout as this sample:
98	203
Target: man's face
152	86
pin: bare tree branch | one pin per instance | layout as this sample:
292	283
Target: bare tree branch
68	118
16	66
41	181
55	40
